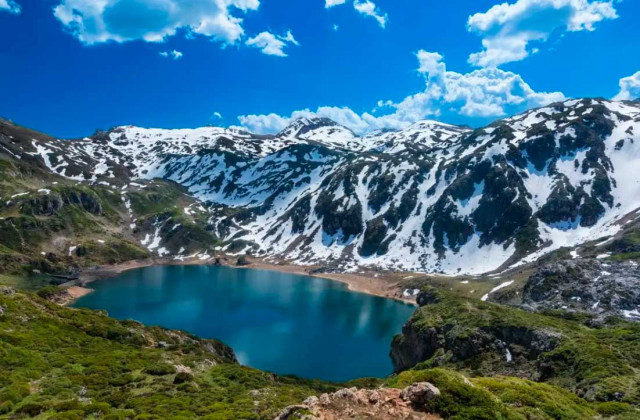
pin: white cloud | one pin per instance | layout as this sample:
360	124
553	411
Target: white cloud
331	3
176	55
629	88
359	123
365	7
271	44
10	6
483	93
508	29
488	92
265	123
97	21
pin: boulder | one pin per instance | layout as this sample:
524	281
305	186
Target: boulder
420	393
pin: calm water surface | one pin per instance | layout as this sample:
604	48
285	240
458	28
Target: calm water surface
284	323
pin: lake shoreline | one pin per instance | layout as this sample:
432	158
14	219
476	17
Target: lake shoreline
375	285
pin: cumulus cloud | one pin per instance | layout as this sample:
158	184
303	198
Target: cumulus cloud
271	44
359	123
264	123
369	8
507	30
97	21
489	92
176	55
10	6
629	88
365	7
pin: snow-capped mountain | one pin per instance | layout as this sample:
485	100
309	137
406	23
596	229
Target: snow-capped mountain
432	197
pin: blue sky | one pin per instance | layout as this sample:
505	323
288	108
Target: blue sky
70	67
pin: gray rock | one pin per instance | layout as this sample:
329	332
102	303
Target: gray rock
420	393
292	412
599	287
6	290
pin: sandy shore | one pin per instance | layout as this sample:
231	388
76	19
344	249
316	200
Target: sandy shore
381	285
373	284
77	292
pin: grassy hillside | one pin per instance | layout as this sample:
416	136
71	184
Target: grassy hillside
507	398
62	363
53	225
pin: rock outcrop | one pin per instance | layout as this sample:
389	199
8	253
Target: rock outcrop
598	287
365	404
451	341
596	361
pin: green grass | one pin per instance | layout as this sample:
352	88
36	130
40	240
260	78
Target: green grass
20	282
158	197
626	256
64	363
38	223
502	398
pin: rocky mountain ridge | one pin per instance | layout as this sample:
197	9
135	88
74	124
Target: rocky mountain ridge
432	197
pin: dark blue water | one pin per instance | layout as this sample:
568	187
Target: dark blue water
284	323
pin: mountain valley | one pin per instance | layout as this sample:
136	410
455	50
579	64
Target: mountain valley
519	241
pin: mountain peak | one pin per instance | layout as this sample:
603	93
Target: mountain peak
304	125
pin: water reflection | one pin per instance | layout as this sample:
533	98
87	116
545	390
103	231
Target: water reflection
281	322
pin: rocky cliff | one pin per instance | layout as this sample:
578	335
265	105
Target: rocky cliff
598	362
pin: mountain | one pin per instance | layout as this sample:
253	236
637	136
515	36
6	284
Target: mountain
432	197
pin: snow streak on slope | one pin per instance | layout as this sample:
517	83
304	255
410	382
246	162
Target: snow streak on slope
433	197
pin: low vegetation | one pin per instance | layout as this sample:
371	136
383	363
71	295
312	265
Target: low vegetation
597	361
62	363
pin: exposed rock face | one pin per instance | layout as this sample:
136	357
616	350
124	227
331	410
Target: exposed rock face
446	344
489	344
363	404
602	288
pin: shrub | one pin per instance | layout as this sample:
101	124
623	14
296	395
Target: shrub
182	377
160	369
6	407
69	415
48	292
31	409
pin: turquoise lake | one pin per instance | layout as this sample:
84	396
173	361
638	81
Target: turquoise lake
280	322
